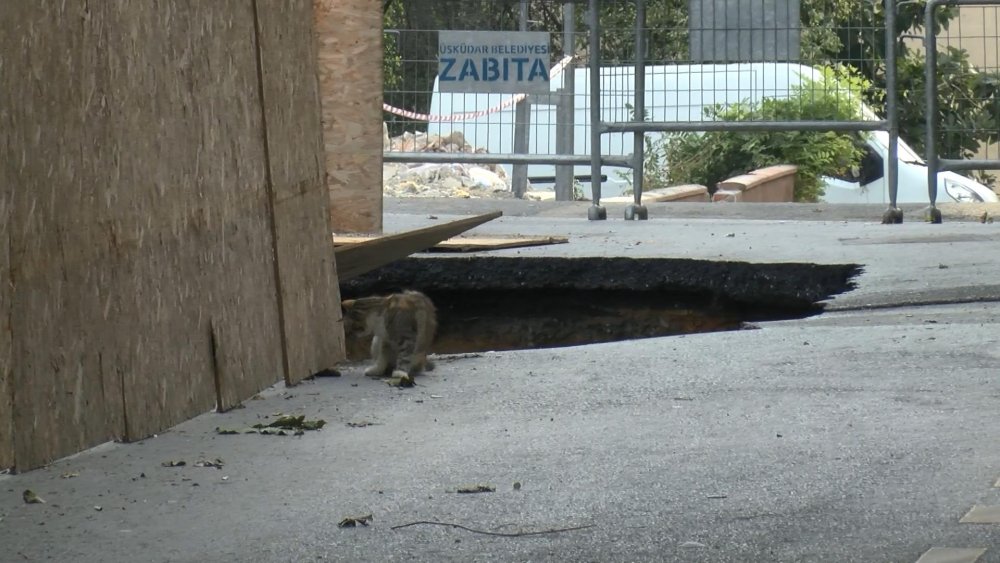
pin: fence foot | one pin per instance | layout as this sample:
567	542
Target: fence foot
892	216
597	213
933	215
633	212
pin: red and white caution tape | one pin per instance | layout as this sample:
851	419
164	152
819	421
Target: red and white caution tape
553	72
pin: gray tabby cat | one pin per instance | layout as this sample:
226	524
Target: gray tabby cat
402	326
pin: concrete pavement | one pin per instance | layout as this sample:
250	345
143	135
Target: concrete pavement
866	433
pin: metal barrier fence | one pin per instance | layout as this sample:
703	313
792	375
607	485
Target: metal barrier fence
702	66
962	74
732	68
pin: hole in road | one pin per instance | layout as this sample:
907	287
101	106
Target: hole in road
494	303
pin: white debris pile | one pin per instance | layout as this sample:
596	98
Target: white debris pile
443	180
440	180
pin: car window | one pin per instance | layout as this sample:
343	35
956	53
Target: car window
906	153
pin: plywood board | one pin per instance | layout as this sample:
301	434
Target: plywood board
468	243
60	262
6	194
310	294
349	39
356	259
192	206
145	281
140	246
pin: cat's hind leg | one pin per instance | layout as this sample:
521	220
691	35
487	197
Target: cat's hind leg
408	361
381	355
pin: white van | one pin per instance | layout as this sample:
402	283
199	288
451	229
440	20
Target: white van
680	93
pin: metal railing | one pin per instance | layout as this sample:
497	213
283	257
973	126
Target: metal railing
984	16
639	128
646	80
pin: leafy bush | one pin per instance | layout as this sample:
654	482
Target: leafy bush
708	158
654	158
968	103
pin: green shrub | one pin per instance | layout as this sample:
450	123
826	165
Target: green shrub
708	158
654	158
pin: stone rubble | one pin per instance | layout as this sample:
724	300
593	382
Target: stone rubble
414	179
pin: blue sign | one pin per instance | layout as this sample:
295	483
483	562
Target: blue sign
510	62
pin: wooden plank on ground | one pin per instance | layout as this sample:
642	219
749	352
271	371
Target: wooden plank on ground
309	292
467	243
356	259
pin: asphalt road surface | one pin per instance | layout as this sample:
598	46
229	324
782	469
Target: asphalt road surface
868	433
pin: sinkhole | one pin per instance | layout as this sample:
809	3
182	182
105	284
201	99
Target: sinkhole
507	303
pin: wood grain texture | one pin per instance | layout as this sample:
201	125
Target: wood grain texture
138	282
191	209
349	38
139	221
356	259
6	197
59	256
6	390
467	243
310	294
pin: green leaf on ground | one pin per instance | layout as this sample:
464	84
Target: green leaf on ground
400	381
30	497
280	427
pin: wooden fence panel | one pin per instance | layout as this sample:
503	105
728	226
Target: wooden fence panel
197	312
310	295
138	284
6	398
6	193
64	400
349	35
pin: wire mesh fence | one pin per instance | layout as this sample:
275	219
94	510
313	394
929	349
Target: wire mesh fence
728	85
411	48
963	122
420	118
